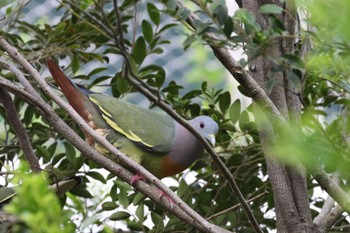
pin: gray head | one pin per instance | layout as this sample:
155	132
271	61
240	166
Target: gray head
205	126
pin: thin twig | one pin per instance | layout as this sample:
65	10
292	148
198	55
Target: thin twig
237	206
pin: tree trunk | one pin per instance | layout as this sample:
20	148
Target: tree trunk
289	184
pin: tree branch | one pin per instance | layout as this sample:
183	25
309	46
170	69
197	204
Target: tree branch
239	73
330	220
333	189
327	207
324	213
19	129
197	219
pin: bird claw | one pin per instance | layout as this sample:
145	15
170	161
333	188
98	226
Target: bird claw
136	178
162	194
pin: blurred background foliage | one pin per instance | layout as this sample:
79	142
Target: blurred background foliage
176	62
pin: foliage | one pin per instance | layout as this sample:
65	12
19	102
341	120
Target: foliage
36	205
90	39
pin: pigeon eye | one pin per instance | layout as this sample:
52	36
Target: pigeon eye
201	125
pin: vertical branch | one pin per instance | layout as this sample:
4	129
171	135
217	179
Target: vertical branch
19	129
297	174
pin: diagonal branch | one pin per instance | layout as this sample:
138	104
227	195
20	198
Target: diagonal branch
332	217
327	207
333	189
238	72
19	129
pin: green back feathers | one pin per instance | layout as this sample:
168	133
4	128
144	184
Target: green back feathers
150	130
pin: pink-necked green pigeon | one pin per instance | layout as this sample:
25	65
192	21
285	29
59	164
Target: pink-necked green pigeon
152	139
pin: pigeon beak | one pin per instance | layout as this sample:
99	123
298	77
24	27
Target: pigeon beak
211	139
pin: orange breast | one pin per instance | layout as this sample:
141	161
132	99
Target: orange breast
169	168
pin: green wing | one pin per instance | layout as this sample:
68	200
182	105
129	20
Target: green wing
148	129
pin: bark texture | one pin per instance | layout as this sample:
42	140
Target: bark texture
288	184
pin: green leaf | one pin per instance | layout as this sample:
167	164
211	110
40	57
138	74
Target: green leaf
235	111
138	198
81	192
28	116
121	215
140	212
157	220
109	205
113	193
147	30
167	26
294	79
172	88
96	71
153	13
140	50
123	198
204	86
182	187
60	28
244	121
135	226
271	9
192	94
160	78
96	176
70	151
57	158
43	153
243	91
220	13
98	80
228	27
224	101
294	61
75	64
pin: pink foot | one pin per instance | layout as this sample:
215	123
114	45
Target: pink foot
162	194
136	178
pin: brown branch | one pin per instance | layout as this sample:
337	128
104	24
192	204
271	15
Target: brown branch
238	72
19	129
333	189
196	218
327	207
333	216
20	76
